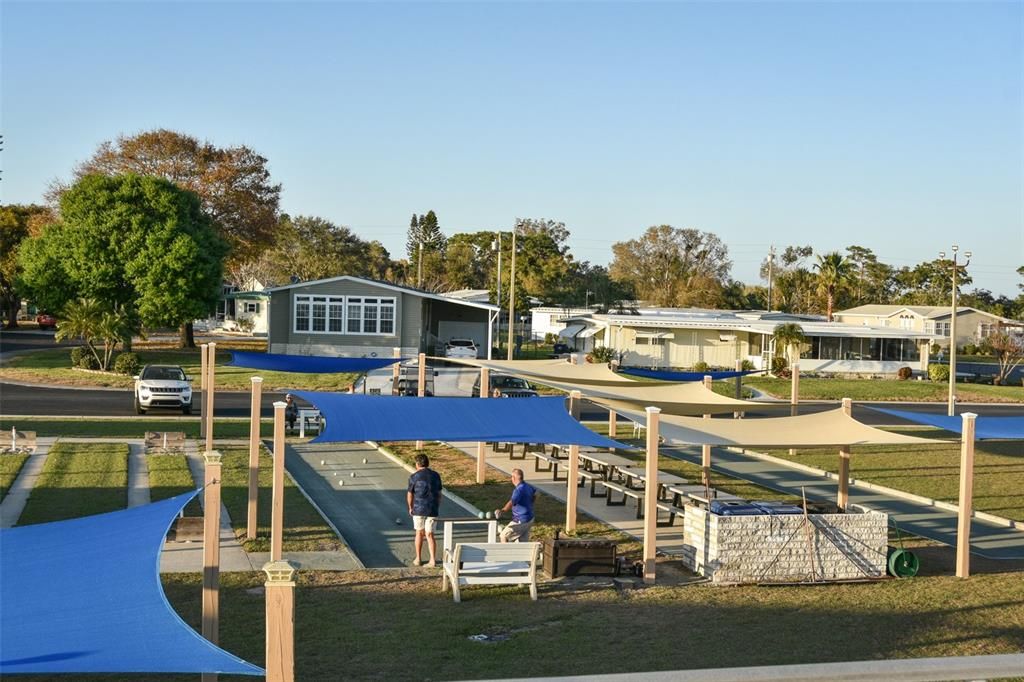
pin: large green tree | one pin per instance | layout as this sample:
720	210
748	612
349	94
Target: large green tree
669	266
233	183
17	223
311	248
139	246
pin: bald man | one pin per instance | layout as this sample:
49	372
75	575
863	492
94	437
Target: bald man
521	506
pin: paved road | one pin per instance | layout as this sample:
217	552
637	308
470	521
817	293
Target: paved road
29	340
987	539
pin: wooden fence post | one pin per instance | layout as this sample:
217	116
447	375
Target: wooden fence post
421	386
963	525
211	551
211	388
843	496
277	493
571	491
651	495
254	456
705	450
280	612
481	462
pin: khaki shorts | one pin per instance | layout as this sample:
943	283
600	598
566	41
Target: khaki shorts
516	532
424	523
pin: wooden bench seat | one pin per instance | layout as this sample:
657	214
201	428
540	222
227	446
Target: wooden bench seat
490	563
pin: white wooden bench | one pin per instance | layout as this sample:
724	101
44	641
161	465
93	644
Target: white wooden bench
491	563
18	441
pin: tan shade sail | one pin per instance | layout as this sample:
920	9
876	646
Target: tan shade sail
687	398
831	428
559	370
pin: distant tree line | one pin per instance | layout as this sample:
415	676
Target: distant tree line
152	224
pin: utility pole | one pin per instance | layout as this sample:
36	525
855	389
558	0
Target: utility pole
951	407
419	269
496	245
771	265
512	293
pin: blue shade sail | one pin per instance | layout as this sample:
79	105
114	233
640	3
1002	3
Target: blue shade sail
84	596
1001	428
665	375
352	418
308	364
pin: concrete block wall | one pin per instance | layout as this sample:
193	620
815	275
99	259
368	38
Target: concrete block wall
752	549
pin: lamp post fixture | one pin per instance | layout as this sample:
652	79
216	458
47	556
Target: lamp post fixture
952	330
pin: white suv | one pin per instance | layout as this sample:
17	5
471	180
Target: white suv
461	348
163	386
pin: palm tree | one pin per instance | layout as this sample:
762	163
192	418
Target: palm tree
790	336
834	271
79	320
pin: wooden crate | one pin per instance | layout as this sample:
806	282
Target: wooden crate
563	556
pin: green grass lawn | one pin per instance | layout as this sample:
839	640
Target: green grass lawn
363	625
169	475
934	470
10	466
79	479
133	427
53	367
304	528
886	389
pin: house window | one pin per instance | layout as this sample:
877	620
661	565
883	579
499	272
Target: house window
371	316
251	307
318	314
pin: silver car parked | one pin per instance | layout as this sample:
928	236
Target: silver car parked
163	386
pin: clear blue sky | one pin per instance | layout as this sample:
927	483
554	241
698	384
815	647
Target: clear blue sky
895	126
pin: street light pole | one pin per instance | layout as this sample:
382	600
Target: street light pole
496	246
512	293
951	408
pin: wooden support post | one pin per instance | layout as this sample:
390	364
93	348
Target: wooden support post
421	386
963	525
739	387
613	424
211	550
481	461
211	388
280	611
843	497
571	489
396	352
794	396
254	456
202	388
651	495
277	493
705	450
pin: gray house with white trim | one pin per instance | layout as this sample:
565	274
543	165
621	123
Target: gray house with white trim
357	317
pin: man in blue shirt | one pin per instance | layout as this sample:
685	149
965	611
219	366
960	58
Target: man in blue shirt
521	506
424	499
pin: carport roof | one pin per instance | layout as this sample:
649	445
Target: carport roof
392	287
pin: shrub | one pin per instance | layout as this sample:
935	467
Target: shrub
550	339
970	349
937	372
935	348
127	363
747	366
76	355
700	366
87	360
779	365
604	354
904	373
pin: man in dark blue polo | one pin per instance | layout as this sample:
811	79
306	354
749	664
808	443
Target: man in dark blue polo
521	505
424	499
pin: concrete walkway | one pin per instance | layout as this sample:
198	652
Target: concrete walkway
16	498
138	475
919	518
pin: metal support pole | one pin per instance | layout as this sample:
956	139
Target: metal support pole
571	490
211	550
963	525
421	386
277	494
512	294
481	462
705	450
651	495
843	496
254	456
280	612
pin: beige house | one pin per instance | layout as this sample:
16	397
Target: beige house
680	338
972	325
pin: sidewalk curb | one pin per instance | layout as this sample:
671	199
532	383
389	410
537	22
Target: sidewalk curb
874	487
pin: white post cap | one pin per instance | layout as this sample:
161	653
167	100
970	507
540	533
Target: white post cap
653	410
280	404
256	380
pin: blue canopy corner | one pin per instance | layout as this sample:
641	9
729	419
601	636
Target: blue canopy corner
84	596
985	428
